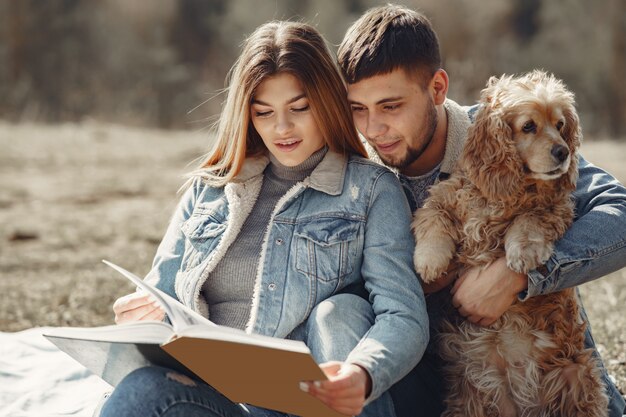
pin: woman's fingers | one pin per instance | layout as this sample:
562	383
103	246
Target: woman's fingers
131	301
134	307
157	314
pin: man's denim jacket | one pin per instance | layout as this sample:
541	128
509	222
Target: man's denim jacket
347	224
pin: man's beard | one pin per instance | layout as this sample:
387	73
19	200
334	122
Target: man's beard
426	136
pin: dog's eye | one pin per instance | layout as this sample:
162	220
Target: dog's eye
529	127
559	125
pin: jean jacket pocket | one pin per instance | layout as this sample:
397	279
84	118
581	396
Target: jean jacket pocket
203	231
324	247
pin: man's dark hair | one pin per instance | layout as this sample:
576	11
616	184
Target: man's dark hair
386	38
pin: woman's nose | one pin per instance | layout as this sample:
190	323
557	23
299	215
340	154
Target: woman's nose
284	125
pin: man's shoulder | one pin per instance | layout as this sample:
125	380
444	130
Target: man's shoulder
460	118
456	110
373	165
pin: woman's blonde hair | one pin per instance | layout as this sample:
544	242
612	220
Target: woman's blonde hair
279	47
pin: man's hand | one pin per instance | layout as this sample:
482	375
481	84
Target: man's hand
443	281
483	296
345	390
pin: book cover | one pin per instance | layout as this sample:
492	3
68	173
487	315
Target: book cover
247	368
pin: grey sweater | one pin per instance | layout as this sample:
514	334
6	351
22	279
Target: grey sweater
229	288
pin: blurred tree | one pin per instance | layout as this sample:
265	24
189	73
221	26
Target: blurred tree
49	55
195	31
161	62
617	95
525	19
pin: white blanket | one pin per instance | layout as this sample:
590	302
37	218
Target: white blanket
38	380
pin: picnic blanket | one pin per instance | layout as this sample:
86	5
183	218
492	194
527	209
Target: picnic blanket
39	380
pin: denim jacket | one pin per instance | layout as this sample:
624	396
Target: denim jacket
347	224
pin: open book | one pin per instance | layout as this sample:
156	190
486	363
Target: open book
247	368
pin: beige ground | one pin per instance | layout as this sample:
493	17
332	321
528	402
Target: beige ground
73	195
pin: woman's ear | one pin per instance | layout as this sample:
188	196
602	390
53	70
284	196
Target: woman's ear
490	159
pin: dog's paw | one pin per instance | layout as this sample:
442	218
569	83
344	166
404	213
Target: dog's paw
523	258
432	259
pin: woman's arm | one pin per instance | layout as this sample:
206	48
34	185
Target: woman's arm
169	255
397	340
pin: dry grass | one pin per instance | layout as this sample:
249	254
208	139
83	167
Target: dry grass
72	195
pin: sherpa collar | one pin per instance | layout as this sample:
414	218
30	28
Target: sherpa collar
327	177
458	125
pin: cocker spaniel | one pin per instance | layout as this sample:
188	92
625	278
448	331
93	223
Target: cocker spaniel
511	196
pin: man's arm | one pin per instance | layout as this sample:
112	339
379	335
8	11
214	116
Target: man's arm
595	245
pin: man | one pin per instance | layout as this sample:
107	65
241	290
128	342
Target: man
397	90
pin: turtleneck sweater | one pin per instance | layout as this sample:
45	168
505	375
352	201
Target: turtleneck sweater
229	288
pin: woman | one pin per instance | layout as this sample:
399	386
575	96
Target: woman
282	224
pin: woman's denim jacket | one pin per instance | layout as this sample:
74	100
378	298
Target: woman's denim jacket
348	223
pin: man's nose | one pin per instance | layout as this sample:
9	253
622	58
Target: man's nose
375	127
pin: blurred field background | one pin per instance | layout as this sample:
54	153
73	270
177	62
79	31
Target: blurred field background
104	105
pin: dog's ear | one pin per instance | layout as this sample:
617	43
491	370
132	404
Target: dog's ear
490	159
492	81
572	135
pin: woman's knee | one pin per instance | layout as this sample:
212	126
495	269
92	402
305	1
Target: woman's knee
143	389
342	309
336	325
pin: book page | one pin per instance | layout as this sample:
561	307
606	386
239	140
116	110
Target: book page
229	334
156	332
179	314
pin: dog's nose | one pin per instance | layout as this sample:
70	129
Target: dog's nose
560	152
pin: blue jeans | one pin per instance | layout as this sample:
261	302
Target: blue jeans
333	329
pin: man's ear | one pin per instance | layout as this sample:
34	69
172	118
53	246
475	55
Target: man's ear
439	85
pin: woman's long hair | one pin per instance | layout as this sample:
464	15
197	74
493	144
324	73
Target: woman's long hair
279	47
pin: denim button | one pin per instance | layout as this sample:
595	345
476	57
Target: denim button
272	286
279	241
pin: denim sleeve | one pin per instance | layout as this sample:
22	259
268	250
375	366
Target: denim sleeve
168	258
398	338
595	244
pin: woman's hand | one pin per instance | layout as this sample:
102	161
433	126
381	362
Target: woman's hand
345	390
136	307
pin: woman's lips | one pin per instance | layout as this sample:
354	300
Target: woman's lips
288	145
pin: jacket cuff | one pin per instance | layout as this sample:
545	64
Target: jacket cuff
379	377
540	280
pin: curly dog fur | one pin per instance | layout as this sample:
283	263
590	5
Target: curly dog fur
511	196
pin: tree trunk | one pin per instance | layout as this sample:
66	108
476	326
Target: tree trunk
617	95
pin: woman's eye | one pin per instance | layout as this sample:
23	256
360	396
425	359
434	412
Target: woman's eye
529	127
300	109
262	113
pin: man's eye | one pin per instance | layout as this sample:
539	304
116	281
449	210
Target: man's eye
391	106
529	127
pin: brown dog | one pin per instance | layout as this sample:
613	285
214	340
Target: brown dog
511	196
